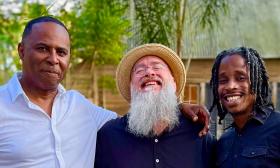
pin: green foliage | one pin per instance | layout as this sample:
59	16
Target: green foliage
163	21
9	36
98	33
156	20
33	10
210	12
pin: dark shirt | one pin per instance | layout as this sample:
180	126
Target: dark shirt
179	148
257	145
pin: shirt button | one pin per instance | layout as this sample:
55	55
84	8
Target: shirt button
235	156
156	140
252	153
157	160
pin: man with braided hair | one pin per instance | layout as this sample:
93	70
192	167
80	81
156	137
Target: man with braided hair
240	87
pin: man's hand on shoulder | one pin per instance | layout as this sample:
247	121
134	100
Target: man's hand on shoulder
197	113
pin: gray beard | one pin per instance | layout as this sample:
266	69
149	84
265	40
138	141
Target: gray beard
148	108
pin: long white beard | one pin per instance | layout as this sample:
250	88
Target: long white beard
148	108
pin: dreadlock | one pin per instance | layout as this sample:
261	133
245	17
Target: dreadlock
258	78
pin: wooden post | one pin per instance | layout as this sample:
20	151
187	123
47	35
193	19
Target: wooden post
202	93
274	93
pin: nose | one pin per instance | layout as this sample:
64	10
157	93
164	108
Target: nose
53	57
149	71
232	84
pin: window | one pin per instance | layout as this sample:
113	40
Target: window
191	93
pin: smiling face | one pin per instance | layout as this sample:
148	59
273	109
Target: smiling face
151	73
45	55
234	85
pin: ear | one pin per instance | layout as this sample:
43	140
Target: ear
21	50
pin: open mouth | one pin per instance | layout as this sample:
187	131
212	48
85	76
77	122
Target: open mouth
150	84
232	98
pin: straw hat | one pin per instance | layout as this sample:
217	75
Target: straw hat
175	64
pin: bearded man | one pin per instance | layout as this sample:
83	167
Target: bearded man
154	133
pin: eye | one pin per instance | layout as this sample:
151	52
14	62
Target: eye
139	71
242	78
157	67
42	48
62	52
222	81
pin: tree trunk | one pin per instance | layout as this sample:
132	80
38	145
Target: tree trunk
103	90
94	87
181	16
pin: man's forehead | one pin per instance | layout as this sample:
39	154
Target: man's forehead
43	27
151	59
44	32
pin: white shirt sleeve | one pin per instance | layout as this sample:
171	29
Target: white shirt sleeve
101	115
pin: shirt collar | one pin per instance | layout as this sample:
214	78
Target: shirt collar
262	114
61	89
14	86
16	90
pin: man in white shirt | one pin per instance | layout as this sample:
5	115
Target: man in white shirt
42	124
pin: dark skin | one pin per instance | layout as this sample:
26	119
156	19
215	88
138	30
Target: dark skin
234	89
45	55
197	113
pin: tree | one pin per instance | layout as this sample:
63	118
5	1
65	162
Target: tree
154	20
164	21
98	32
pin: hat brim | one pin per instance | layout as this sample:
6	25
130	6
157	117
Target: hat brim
123	74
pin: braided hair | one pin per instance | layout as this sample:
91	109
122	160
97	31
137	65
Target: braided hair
258	77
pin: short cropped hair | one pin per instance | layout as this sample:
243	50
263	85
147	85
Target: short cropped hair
29	25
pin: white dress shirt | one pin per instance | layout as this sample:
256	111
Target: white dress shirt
29	138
